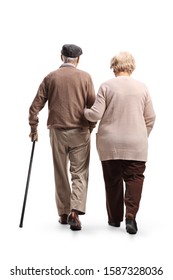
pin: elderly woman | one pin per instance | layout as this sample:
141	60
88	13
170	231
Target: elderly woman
124	108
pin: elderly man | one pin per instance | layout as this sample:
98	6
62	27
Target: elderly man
68	91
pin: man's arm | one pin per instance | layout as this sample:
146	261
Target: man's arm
36	106
90	101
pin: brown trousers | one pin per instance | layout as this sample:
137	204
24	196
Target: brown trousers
116	173
70	148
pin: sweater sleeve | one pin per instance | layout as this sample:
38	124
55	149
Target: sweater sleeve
149	114
96	112
90	100
37	105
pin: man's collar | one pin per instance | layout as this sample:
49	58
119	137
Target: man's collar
67	65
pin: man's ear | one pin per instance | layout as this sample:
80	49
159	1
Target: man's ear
78	59
61	57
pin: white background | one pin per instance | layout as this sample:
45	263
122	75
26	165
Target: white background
32	34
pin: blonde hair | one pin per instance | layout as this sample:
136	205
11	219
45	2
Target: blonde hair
123	62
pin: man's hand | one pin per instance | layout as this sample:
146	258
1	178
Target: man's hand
33	136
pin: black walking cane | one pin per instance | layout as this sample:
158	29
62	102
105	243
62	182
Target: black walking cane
27	184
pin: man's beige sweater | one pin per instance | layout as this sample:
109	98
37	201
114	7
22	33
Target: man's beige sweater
124	108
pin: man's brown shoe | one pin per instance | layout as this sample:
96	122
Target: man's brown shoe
63	219
73	221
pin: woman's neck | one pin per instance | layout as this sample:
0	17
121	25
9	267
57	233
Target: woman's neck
122	74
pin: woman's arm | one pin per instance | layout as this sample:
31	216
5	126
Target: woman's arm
96	112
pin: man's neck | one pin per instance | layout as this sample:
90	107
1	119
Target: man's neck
69	64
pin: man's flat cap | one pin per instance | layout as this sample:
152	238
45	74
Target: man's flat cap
71	50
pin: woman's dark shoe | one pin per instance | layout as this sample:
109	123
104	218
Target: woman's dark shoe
131	226
114	224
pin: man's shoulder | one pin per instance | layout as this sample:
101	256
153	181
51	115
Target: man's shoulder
60	71
53	72
83	72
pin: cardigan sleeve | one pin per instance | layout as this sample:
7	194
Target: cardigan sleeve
96	112
149	114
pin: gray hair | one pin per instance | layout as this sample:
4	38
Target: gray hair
69	59
123	62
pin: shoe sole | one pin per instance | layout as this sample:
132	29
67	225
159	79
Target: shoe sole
63	223
75	227
114	224
131	229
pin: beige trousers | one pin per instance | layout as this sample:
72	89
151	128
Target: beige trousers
71	152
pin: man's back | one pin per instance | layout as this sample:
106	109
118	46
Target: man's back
68	91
